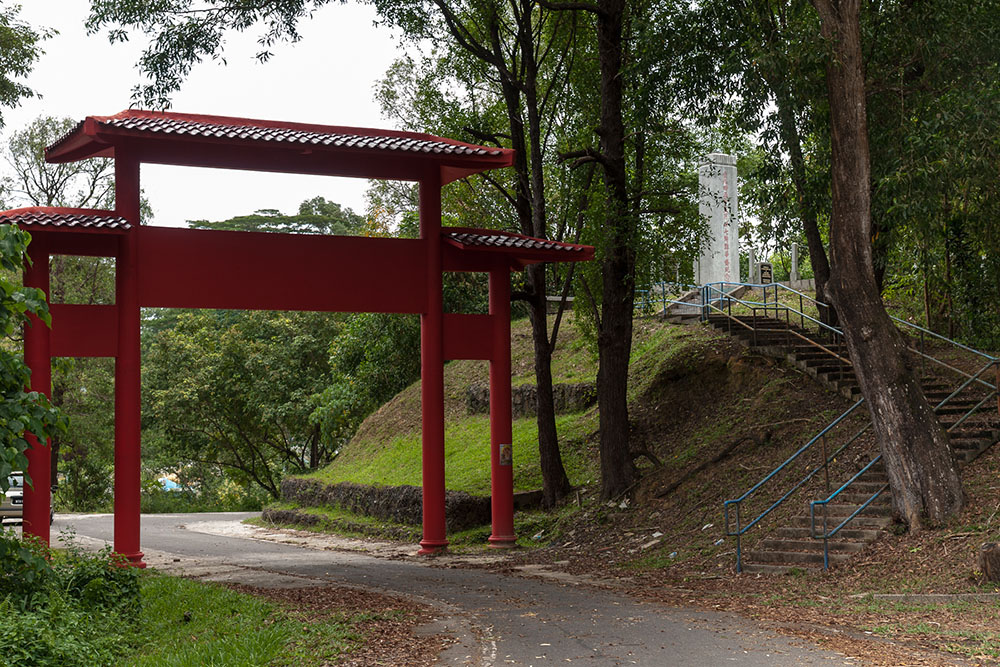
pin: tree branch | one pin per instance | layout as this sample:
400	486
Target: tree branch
563	6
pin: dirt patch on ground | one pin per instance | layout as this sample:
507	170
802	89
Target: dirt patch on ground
389	626
907	599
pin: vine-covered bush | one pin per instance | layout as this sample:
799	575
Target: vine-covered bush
63	608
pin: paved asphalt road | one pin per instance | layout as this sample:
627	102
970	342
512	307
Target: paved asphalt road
497	619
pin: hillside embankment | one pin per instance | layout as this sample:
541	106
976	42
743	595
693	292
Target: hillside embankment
709	420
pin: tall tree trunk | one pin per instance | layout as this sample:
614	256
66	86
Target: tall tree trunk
530	206
555	483
922	471
618	281
806	205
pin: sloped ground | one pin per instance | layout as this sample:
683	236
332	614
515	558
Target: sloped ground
695	397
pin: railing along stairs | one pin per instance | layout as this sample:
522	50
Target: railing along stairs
858	507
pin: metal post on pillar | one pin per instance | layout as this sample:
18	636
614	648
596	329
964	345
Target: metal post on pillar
501	430
432	372
37	356
127	367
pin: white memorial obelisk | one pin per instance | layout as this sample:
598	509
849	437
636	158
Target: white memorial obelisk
720	256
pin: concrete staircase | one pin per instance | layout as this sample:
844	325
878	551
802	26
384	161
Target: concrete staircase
679	312
792	546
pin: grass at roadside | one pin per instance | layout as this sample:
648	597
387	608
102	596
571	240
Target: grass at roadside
189	623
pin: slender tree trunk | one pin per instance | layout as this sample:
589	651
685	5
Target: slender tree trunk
949	301
529	203
922	472
555	483
618	472
806	205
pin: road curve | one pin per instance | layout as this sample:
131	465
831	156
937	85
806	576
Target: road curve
496	619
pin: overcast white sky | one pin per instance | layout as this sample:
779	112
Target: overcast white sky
326	78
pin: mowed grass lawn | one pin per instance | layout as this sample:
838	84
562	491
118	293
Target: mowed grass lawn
191	624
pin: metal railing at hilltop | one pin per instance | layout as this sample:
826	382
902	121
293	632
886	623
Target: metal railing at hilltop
659	296
750	314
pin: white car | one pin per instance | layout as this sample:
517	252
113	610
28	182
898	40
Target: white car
13	501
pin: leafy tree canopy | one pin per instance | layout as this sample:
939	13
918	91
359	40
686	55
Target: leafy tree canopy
19	50
20	411
315	216
186	36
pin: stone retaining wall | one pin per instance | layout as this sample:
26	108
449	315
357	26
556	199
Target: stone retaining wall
567	397
402	504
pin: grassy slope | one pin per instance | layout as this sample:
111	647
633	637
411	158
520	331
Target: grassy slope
691	391
386	449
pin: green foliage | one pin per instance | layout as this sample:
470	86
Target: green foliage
315	216
63	608
184	37
27	572
19	51
20	411
467	454
83	184
376	355
204	490
190	624
233	389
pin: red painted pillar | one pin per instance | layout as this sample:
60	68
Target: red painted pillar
432	372
501	432
127	367
37	356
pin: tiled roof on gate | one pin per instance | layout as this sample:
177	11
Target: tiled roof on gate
484	238
65	218
165	137
225	128
180	127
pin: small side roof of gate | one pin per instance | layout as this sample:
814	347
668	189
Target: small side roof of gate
517	248
164	137
66	219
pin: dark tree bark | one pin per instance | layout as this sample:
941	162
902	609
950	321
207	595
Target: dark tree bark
922	472
614	322
614	337
518	78
777	81
807	209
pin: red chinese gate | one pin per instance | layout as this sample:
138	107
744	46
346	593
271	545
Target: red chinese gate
187	268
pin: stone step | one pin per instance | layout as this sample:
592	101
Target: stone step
843	510
763	568
784	545
805	348
859	534
834	368
820	359
953	408
973	432
969	443
795	557
858	497
860	521
867	487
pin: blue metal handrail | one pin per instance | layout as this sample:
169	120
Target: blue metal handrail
737	502
828	534
648	298
717	293
839	332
